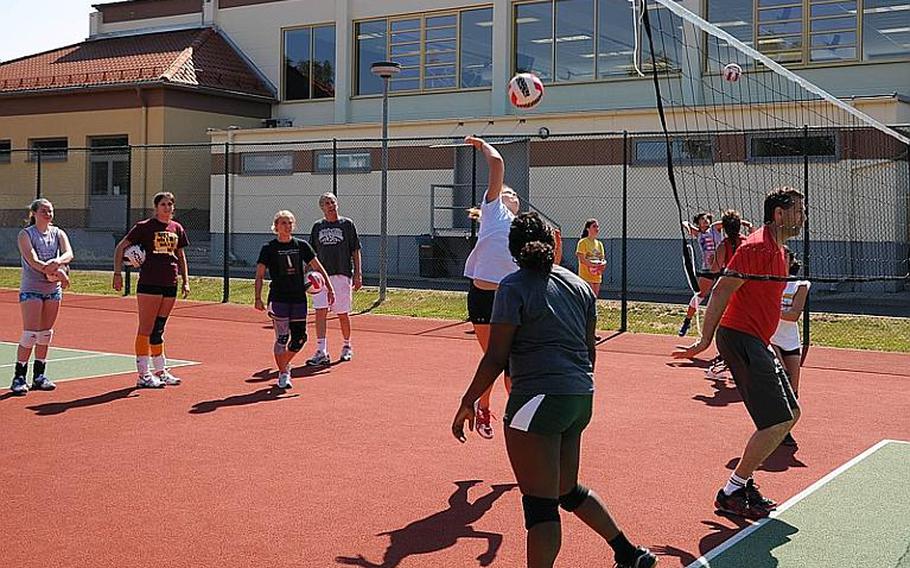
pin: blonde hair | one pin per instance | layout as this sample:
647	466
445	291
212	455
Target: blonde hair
474	213
283	214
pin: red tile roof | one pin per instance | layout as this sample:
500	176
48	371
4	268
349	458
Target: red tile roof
195	58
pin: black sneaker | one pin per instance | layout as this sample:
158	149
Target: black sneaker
19	386
755	496
739	504
789	441
643	558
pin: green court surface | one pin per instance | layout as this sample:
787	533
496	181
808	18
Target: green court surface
859	515
72	364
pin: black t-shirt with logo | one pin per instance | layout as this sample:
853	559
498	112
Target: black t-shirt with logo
287	266
335	243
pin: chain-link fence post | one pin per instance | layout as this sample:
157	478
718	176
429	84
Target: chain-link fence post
37	173
806	259
335	166
226	226
624	284
126	225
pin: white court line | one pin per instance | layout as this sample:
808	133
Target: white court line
66	359
705	560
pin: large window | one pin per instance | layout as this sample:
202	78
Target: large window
735	18
818	146
309	63
6	148
349	162
688	151
817	31
437	51
578	40
109	166
267	163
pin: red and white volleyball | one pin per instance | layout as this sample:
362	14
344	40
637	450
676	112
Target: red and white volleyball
315	282
732	72
525	90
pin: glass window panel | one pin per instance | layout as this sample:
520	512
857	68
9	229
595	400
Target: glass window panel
371	47
615	39
297	64
51	150
785	56
668	53
786	43
775	14
534	39
406	37
574	40
654	152
406	49
400	25
833	24
444	45
120	177
476	48
324	62
440	57
441	33
834	39
348	162
791	146
735	18
763	3
408	60
98	181
837	9
780	28
440	83
5	151
408	73
404	84
886	29
440	70
268	163
436	21
833	54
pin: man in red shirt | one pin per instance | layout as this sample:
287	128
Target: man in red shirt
744	310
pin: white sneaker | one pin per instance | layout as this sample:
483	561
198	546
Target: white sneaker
167	378
347	353
149	382
284	381
319	359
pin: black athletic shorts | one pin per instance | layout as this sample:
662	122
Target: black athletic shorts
480	304
760	378
166	291
789	352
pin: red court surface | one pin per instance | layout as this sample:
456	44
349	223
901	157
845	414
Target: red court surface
356	464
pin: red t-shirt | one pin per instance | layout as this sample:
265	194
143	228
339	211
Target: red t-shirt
160	241
754	307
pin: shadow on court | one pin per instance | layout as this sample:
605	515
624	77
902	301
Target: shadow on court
441	530
52	408
782	459
303	371
263	395
724	394
719	533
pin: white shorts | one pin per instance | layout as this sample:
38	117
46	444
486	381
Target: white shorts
343	294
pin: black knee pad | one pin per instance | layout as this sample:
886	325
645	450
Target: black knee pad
539	510
157	335
574	498
298	336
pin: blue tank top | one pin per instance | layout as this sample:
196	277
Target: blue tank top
47	246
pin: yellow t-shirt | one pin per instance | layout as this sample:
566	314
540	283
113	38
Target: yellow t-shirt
592	250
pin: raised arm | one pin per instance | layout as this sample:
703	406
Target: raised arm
494	163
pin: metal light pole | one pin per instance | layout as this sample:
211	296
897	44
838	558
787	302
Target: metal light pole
385	70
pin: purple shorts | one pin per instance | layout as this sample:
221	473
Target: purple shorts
292	311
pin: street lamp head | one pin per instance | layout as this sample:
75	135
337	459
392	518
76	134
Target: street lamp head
385	69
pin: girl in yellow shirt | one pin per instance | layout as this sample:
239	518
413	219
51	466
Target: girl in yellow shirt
591	257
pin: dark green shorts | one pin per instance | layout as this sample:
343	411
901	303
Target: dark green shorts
549	414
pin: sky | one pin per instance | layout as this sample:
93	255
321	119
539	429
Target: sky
33	26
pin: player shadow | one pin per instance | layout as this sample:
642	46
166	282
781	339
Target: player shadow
754	551
601	339
441	530
686	363
299	372
267	394
724	394
9	394
782	459
52	408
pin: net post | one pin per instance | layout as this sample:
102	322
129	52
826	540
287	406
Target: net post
226	226
335	166
624	275
806	263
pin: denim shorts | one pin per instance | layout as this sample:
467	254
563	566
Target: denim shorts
56	295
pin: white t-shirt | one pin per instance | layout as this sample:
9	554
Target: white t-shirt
787	335
490	259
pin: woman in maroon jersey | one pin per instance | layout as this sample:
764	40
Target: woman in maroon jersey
163	241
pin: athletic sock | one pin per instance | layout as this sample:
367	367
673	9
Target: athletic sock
158	359
21	369
734	484
142	364
623	550
39	368
347	342
321	344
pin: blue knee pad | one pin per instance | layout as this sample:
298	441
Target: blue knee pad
574	498
539	510
298	336
157	335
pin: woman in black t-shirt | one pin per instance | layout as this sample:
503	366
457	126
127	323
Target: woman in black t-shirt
287	259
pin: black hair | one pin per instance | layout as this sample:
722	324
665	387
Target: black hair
703	214
793	260
163	194
531	242
588	223
732	223
784	197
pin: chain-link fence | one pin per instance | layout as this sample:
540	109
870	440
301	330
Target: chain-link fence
420	236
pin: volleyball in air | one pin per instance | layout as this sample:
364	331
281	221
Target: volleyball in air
315	282
732	72
525	90
134	255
